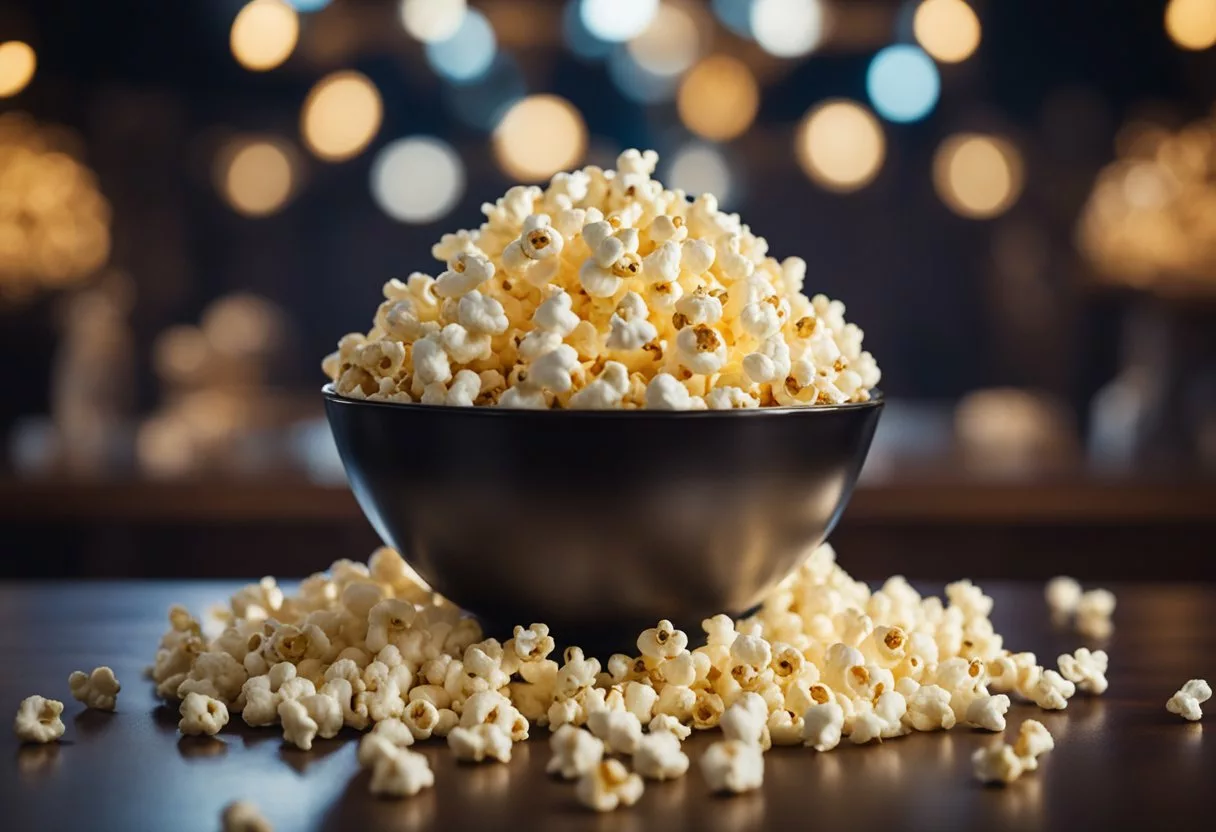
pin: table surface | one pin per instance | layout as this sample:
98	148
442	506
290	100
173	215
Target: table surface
1120	759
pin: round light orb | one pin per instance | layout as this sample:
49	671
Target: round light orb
433	20
840	145
670	44
579	39
17	65
309	5
617	20
787	28
736	15
949	30
483	103
1191	23
539	136
264	34
341	116
638	83
718	98
468	54
255	177
978	176
903	83
698	168
417	180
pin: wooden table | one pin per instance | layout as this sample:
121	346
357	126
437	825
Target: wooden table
1120	760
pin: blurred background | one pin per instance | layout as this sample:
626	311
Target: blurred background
1016	199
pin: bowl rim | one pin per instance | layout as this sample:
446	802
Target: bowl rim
876	401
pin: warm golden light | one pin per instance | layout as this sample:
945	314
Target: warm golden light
539	136
670	44
947	29
255	177
1191	23
17	65
977	176
718	99
341	116
264	34
431	21
840	145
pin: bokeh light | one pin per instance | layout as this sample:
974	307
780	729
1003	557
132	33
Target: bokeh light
467	54
787	28
483	103
417	180
341	116
903	83
309	5
977	176
949	30
718	98
433	20
255	177
670	44
617	20
539	136
698	168
1191	23
264	34
736	15
579	39
638	83
840	145
17	65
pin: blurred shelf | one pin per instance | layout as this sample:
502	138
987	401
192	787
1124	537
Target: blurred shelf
924	499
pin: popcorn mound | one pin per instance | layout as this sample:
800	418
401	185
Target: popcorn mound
606	290
825	659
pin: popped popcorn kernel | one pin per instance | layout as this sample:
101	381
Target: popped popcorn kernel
486	741
733	766
400	773
608	785
98	689
1186	701
658	757
243	816
1034	740
611	265
38	720
996	765
575	752
202	715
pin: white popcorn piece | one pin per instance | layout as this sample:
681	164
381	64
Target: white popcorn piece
746	720
202	715
658	757
670	724
619	729
243	816
38	720
662	642
666	393
486	741
609	785
929	709
467	272
701	349
630	327
1096	602
554	370
1085	669
1063	594
606	391
1187	700
555	315
1034	740
1052	691
421	718
575	752
996	764
98	689
731	766
988	712
822	726
401	773
784	728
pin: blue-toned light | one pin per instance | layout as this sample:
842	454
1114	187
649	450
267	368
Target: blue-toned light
617	20
735	15
638	83
579	38
308	5
903	83
466	55
483	103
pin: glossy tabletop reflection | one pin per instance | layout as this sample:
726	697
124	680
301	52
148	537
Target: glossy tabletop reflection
1120	760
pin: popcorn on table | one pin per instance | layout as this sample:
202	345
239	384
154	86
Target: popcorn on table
997	764
243	816
400	773
733	766
608	785
38	720
611	293
202	715
98	689
1188	698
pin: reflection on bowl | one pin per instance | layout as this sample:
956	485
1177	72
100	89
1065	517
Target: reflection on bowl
601	523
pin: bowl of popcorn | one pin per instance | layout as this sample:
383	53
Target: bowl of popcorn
611	406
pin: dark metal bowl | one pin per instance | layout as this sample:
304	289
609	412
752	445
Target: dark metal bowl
601	523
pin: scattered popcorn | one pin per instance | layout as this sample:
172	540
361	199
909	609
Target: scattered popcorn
1052	691
575	752
38	720
1063	594
996	764
658	757
243	816
481	742
608	785
621	294
400	773
202	715
668	723
1093	614
97	690
1187	700
1085	669
733	766
1034	740
988	712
